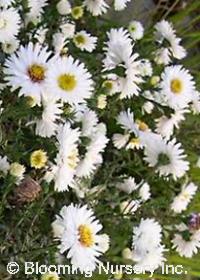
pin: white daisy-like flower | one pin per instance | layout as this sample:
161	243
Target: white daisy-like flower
195	106
128	85
126	120
89	121
93	156
96	7
120	140
167	157
120	5
164	30
11	46
182	200
9	24
78	231
119	48
69	80
187	247
6	3
47	126
144	191
59	42
145	68
147	248
17	170
136	30
4	164
27	70
177	50
64	7
177	87
128	185
162	56
36	8
67	158
68	30
40	35
165	126
85	41
147	107
111	84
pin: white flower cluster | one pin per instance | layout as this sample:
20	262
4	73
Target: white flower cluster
92	98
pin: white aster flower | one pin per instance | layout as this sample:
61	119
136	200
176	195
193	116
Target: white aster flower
145	68
147	107
120	140
27	70
6	3
187	248
126	120
144	191
40	35
36	9
11	46
162	56
17	170
79	235
128	185
69	80
84	41
165	126
164	30
4	164
64	7
167	157
136	30
177	87
68	30
119	48
47	126
147	248
182	200
96	7
93	156
128	85
89	121
59	42
9	24
67	158
195	106
120	5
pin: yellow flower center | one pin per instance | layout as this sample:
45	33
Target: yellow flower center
77	12
38	159
73	159
85	236
135	141
108	85
79	39
3	23
67	82
36	72
176	86
185	196
142	125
